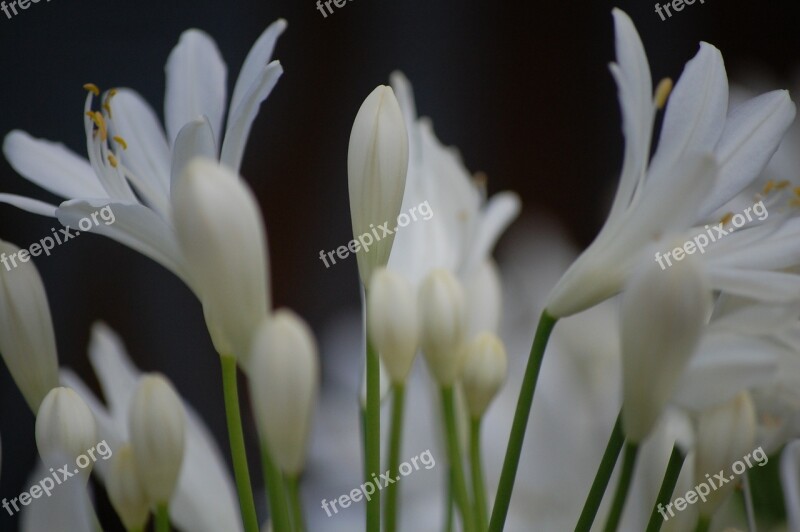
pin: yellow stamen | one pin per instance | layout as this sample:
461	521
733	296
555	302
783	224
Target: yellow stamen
98	120
796	191
112	160
662	92
107	108
782	184
91	87
769	186
111	94
727	218
121	142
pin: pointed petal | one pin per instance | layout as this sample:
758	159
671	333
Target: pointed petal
196	77
147	154
29	204
52	166
258	57
500	211
196	139
775	287
134	226
242	117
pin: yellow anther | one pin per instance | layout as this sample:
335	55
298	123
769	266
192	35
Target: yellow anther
112	160
663	90
796	191
111	94
782	184
98	120
121	142
727	218
769	186
107	108
91	87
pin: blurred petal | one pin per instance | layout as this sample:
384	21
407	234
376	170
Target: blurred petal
258	57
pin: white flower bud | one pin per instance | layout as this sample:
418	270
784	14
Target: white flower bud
126	491
663	315
377	161
157	427
392	322
284	377
222	237
65	427
442	311
485	369
27	341
385	383
725	434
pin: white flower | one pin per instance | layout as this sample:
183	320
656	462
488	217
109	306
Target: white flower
126	491
205	498
442	311
706	156
132	161
64	427
27	341
485	369
377	162
222	236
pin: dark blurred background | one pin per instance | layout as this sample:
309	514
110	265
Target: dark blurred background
521	88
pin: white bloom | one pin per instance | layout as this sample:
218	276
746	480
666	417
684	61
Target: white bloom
126	491
485	369
27	341
220	232
158	436
64	427
377	162
443	325
706	156
284	378
205	498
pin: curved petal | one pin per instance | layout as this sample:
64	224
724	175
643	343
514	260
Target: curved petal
134	226
147	152
68	507
242	116
29	204
500	211
776	287
196	139
52	166
196	77
257	58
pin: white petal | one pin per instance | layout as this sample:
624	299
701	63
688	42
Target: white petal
484	299
752	135
134	226
242	116
196	77
405	97
500	211
776	287
67	508
147	153
258	57
52	166
196	139
29	204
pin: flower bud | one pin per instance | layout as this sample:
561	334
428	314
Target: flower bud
65	427
377	161
392	322
485	369
157	427
284	373
222	237
384	386
442	311
27	341
126	491
663	315
725	434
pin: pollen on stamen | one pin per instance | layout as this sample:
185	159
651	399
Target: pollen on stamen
663	91
769	186
119	140
91	87
726	219
782	184
98	120
107	108
112	160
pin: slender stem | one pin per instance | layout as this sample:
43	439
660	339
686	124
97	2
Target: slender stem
454	456
296	503
372	436
667	487
236	436
395	444
162	518
514	450
703	524
276	492
476	466
628	465
448	523
602	477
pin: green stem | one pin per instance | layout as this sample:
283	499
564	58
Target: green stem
628	465
703	524
667	487
454	456
602	477
514	450
276	492
476	466
236	437
448	523
395	444
162	518
296	503
372	436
